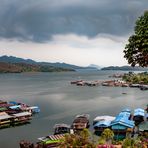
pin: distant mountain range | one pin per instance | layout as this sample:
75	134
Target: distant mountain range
95	66
125	68
15	64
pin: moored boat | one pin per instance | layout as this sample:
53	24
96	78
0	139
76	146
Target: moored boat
21	118
138	116
5	119
102	122
61	129
32	109
81	122
122	124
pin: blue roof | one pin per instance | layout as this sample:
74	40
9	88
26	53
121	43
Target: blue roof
126	110
124	122
15	106
13	102
103	124
121	115
123	119
139	112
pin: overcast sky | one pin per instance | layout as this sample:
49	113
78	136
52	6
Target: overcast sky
79	32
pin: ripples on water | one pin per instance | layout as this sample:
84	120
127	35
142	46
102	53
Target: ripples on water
60	101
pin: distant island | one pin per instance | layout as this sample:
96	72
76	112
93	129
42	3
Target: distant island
10	64
125	68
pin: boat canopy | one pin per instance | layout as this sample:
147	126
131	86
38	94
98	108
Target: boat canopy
139	112
106	118
102	124
126	110
34	109
61	125
52	137
15	106
124	115
83	116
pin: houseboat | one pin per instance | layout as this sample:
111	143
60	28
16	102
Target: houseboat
21	118
138	116
80	122
121	125
5	120
61	129
102	122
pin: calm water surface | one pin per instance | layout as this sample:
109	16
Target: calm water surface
60	101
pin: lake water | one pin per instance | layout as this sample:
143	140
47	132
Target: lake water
60	101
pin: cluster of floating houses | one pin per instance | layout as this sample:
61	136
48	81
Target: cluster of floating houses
125	122
14	113
112	83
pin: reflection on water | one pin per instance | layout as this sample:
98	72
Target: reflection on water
60	101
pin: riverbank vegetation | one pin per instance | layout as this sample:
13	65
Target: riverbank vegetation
86	140
140	78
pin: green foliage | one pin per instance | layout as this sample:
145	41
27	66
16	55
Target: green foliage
101	141
107	134
136	78
78	140
136	51
128	143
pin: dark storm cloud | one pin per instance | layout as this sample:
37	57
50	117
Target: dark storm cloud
39	20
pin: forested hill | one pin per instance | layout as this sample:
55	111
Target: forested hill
23	67
125	68
64	66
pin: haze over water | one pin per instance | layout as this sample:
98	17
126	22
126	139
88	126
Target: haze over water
60	101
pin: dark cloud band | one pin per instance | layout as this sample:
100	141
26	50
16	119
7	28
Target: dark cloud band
39	20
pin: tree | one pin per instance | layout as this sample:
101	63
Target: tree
78	140
107	134
136	51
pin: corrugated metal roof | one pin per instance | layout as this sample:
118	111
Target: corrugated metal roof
22	114
2	117
127	123
123	119
52	137
106	118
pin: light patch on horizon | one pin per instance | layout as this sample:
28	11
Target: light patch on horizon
103	50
